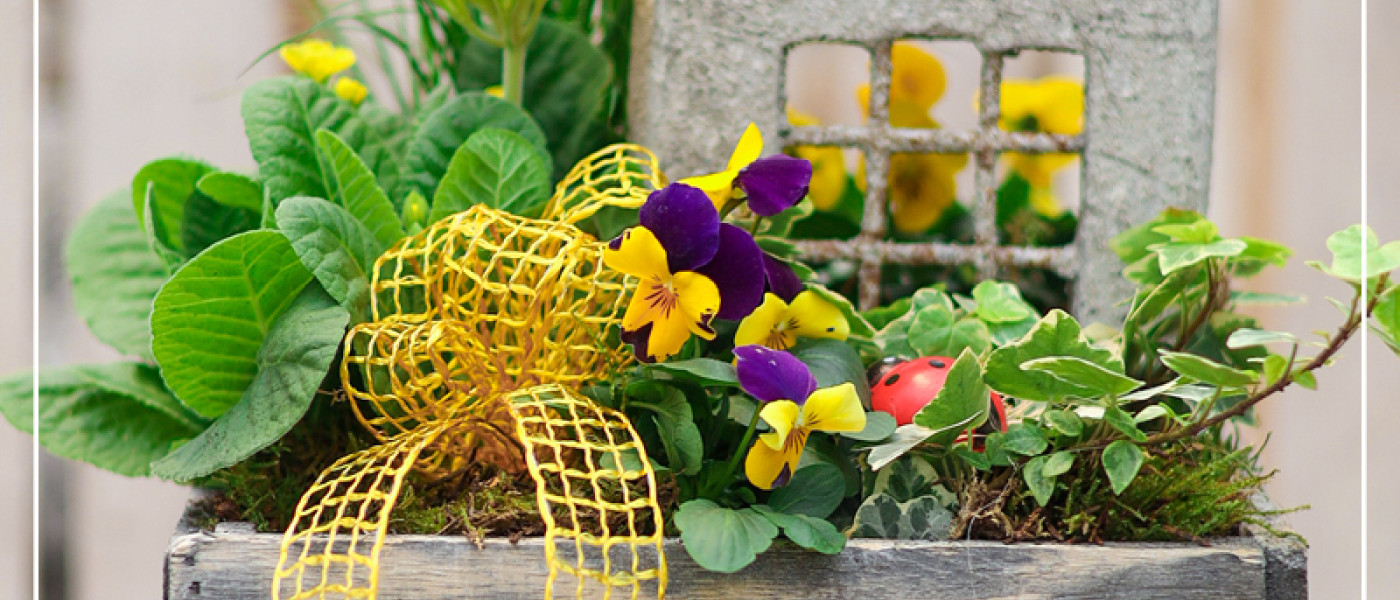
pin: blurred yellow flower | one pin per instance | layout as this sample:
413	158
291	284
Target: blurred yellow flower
317	59
828	166
1051	104
351	90
921	186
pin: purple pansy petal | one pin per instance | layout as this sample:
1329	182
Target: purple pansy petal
686	223
638	338
768	374
782	281
737	270
783	477
775	183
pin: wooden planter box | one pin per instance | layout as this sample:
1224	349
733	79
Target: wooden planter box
234	563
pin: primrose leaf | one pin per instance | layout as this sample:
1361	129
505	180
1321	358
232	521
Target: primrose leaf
116	416
1172	256
357	191
232	189
115	275
206	222
210	319
809	532
723	539
290	365
157	238
834	362
339	250
1206	370
1245	338
999	302
1121	461
1346	246
497	168
445	130
1056	334
923	518
815	490
703	371
1078	371
168	183
962	404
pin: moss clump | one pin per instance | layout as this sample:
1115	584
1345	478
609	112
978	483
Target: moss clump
480	503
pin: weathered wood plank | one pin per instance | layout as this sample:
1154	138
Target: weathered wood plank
238	565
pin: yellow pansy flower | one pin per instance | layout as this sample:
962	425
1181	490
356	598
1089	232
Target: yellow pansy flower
1052	104
720	186
675	305
317	59
351	90
774	458
777	324
828	166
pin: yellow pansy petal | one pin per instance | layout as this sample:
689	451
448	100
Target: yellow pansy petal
640	310
815	317
668	333
718	186
759	325
835	408
352	91
764	464
918	76
782	416
697	299
639	254
1018	100
750	146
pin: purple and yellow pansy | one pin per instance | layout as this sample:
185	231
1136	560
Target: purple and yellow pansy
793	407
777	324
770	184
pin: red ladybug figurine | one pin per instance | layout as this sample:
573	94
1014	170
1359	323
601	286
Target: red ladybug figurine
901	387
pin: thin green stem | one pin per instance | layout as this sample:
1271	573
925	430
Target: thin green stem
739	453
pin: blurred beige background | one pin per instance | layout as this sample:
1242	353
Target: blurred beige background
124	83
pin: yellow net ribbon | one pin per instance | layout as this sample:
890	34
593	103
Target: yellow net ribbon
484	327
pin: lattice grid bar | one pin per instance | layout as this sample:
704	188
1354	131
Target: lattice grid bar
878	141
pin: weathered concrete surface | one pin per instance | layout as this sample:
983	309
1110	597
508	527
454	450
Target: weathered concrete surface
701	70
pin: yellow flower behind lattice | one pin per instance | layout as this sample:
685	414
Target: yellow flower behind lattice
1047	105
828	166
317	59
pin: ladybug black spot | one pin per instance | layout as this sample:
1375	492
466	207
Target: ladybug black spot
830	329
937	364
892	379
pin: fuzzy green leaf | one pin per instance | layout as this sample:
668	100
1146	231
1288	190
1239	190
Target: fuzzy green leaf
962	403
1024	439
1124	423
206	222
232	189
1206	370
168	182
337	249
1058	463
291	364
1064	421
115	276
212	316
497	168
448	127
356	189
723	539
1121	461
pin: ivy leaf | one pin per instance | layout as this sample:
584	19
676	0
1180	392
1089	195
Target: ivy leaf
834	362
1124	423
1064	421
923	518
1040	483
723	539
212	316
337	249
1346	246
1024	439
1077	371
702	371
815	490
1387	317
805	531
1121	461
1056	334
168	183
962	404
115	276
1132	245
232	189
1245	338
935	332
1206	370
1259	254
292	362
114	416
1199	232
1172	256
497	168
999	302
445	130
904	439
356	190
1058	463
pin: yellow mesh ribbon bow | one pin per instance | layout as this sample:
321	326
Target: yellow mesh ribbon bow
484	326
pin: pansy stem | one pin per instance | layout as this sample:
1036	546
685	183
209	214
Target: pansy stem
738	454
513	73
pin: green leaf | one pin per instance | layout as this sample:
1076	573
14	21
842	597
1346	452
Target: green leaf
1058	463
962	404
1151	305
1040	483
566	82
114	416
1200	232
1245	338
935	332
923	518
232	189
1274	367
206	222
281	116
833	362
447	128
999	302
703	371
497	168
1124	423
1387	317
1346	246
1057	334
723	539
170	182
675	423
978	460
157	238
808	532
1121	460
1064	421
357	191
878	426
904	439
337	249
1132	245
290	365
1176	255
1258	253
1024	439
212	316
1239	297
815	490
1078	371
1206	370
115	276
1305	379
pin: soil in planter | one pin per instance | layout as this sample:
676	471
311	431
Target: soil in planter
1198	489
